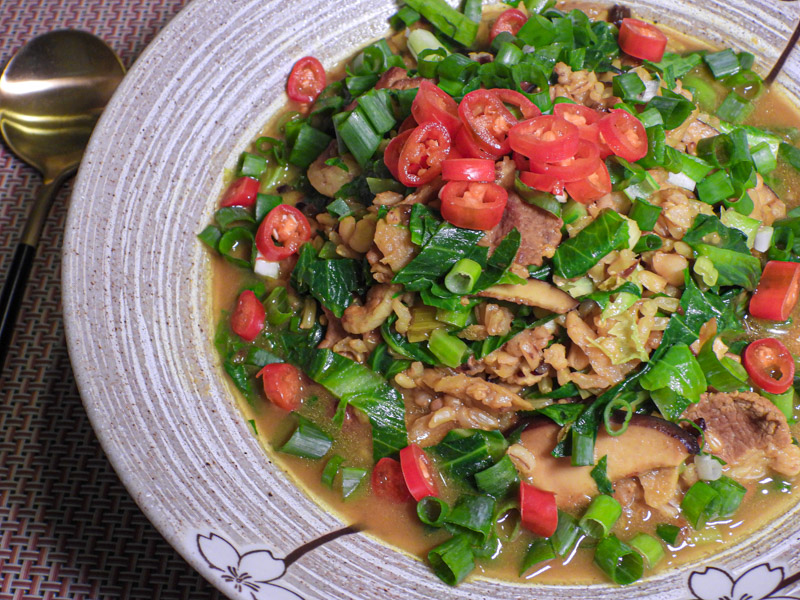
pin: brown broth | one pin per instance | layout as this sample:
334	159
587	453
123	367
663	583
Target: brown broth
398	525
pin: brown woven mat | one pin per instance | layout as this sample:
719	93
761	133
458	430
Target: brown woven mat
68	528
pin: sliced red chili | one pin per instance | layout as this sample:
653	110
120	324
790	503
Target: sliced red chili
306	80
770	365
777	291
510	21
408	123
388	482
585	162
391	156
642	40
624	134
577	114
468	169
542	182
282	232
544	139
538	510
473	205
465	143
592	188
488	120
591	133
247	319
282	385
423	154
418	472
434	104
522	162
241	192
527	109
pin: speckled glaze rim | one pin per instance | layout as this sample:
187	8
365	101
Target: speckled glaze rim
137	311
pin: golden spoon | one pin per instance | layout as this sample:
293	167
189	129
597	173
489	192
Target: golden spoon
51	94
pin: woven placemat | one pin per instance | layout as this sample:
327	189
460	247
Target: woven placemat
68	528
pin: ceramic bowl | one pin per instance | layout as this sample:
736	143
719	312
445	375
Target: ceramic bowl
139	324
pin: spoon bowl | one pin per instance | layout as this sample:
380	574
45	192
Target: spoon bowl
52	93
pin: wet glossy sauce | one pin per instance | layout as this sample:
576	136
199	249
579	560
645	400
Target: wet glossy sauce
399	526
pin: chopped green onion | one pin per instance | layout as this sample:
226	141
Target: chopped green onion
264	204
498	479
628	85
601	516
763	159
331	470
648	243
703	92
429	60
743	175
566	534
742	204
674	109
746	60
340	208
696	168
722	63
782	244
307	441
649	547
608	416
310	143
600	475
699	504
251	165
351	479
539	551
582	449
715	188
746	83
619	561
377	107
238	247
462	277
644	213
717	150
357	134
406	15
432	511
448	20
456	318
508	54
473	513
278	309
230	215
448	350
734	108
651	117
210	236
453	560
731	495
668	533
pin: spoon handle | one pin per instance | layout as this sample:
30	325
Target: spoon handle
12	294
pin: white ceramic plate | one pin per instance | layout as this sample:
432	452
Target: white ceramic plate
137	311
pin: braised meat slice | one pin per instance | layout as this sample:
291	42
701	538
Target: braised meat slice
745	429
540	231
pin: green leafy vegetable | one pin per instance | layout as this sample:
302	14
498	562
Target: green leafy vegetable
464	452
575	256
675	381
600	477
331	281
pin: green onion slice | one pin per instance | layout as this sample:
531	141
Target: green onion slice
619	561
463	276
331	470
601	516
453	560
649	547
432	511
307	441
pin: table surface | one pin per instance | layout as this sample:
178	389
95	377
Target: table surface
68	527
